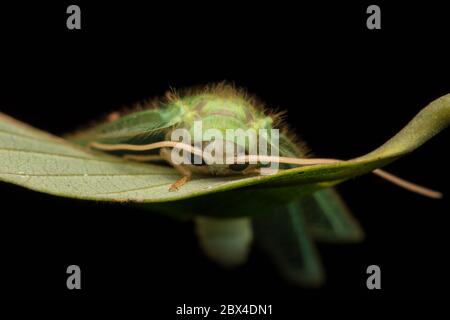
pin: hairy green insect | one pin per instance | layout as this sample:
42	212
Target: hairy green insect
287	234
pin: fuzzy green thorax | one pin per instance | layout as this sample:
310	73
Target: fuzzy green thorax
222	113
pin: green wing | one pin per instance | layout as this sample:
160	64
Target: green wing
288	234
328	218
283	236
135	128
326	215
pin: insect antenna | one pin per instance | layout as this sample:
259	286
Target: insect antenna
263	158
147	147
315	161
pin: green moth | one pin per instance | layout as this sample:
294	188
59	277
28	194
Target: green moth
288	233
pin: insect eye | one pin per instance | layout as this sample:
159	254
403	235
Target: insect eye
238	166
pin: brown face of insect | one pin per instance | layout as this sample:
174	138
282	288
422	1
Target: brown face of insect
219	166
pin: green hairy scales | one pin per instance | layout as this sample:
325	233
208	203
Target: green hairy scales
219	107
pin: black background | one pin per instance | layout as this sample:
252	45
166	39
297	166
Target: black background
347	89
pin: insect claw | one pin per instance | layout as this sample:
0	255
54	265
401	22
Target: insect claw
179	183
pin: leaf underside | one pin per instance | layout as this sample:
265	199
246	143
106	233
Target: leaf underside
42	162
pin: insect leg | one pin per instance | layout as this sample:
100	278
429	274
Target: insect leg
166	155
249	171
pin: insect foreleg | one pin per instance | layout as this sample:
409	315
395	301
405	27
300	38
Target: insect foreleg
165	154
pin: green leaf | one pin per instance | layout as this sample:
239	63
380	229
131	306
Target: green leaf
43	162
